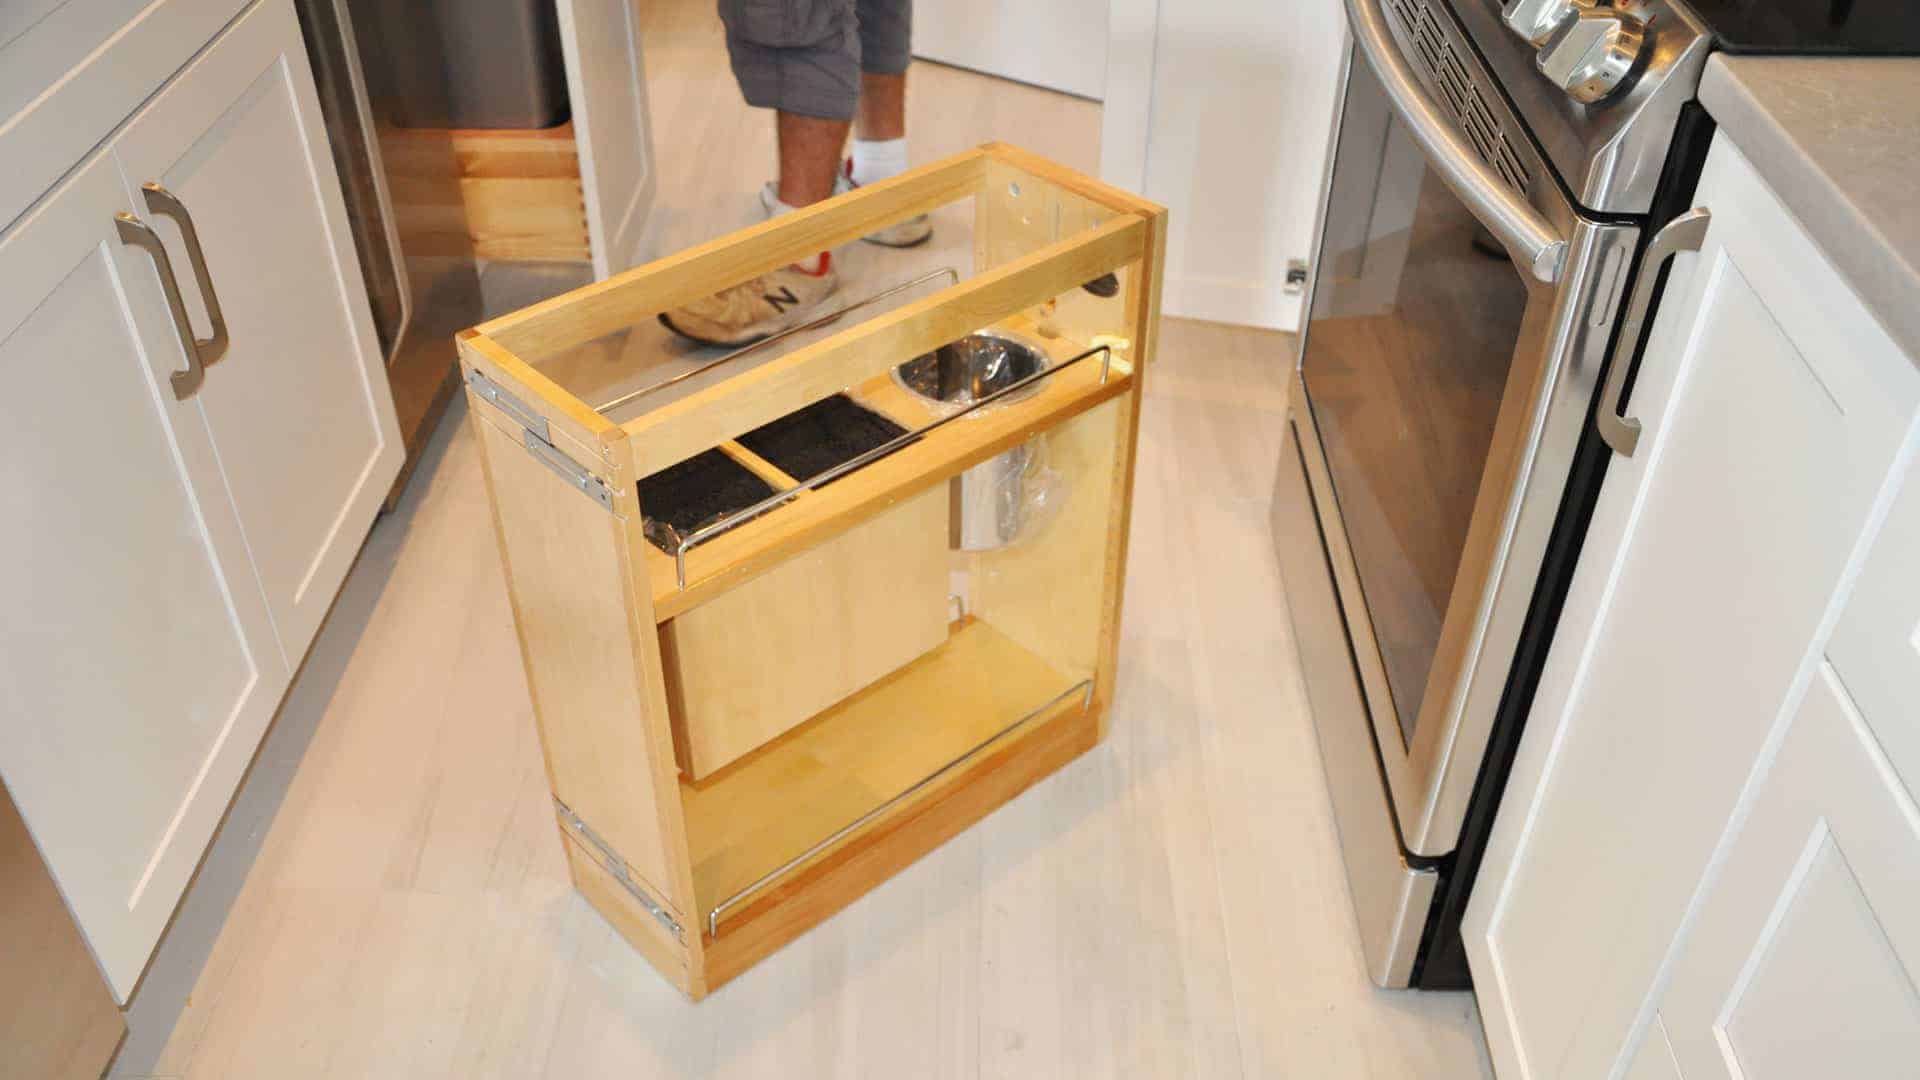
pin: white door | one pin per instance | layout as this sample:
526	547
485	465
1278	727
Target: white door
1058	44
140	666
1773	408
607	85
299	405
1803	960
1221	112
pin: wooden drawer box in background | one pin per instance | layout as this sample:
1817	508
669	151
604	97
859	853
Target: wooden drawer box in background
748	726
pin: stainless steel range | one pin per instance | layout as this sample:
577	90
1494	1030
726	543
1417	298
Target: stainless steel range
1490	248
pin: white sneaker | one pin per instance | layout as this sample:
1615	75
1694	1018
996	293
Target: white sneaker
761	307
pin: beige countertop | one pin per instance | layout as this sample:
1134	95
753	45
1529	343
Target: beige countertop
1838	139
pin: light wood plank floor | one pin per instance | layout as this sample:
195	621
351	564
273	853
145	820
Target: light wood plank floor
389	898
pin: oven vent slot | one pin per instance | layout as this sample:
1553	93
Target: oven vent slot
1445	71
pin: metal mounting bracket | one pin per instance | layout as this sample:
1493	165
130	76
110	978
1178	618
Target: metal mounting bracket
539	439
617	866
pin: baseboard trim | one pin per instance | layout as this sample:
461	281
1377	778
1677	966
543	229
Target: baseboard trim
1264	304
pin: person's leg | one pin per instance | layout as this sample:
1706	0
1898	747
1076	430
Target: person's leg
810	150
801	59
883	106
880	137
880	141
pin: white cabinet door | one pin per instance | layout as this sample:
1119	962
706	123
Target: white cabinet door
299	405
1654	1060
1876	645
1803	959
140	667
600	41
1774	409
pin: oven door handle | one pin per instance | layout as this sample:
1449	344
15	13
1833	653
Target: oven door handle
1511	218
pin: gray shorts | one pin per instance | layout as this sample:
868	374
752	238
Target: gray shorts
806	56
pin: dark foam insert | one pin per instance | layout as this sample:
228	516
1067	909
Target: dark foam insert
827	433
680	498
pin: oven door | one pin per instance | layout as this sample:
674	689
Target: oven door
1457	326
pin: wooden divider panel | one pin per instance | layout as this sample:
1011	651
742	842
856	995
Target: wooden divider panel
585	621
562	553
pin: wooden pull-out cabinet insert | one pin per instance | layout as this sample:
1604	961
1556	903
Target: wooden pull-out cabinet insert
770	672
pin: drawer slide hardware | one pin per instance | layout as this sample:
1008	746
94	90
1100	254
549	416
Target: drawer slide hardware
539	440
617	866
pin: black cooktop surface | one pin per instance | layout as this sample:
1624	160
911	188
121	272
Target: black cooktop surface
1861	27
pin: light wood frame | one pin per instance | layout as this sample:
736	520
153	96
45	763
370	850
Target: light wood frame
591	596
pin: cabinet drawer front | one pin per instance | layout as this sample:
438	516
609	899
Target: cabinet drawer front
41	40
1876	646
62	91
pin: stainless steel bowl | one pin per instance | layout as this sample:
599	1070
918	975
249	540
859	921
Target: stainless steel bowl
978	365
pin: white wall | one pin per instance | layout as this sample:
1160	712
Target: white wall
1222	110
1058	44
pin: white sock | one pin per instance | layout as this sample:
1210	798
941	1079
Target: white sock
877	161
775	206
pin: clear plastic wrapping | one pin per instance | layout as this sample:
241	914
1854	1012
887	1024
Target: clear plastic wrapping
1010	498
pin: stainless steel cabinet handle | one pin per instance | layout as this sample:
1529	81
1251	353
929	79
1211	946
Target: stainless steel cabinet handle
186	382
1684	233
162	201
1511	218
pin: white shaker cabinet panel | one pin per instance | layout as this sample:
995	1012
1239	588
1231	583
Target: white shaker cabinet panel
1654	1060
600	43
41	41
298	406
71	71
1774	409
1803	959
1876	646
140	666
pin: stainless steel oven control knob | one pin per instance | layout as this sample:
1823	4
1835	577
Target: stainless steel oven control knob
1536	20
1595	54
